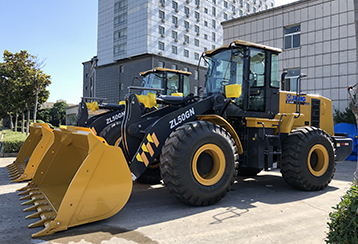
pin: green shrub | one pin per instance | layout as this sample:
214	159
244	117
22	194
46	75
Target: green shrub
346	116
343	225
12	146
12	141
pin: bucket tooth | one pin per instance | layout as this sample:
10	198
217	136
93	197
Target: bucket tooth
41	222
28	190
31	195
34	207
33	200
38	214
14	177
30	185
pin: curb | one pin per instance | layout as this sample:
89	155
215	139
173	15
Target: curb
9	154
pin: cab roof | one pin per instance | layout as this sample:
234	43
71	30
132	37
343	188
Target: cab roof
243	43
158	70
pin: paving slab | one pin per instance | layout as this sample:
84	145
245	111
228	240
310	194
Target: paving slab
261	209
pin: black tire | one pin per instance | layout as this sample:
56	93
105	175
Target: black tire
197	163
248	171
112	132
308	159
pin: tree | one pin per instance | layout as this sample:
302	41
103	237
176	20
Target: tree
23	85
58	113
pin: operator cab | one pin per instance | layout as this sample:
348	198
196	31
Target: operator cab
254	68
168	81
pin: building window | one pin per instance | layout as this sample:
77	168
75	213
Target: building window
120	49
161	30
175	35
186	53
197	29
225	16
206	23
175	20
241	3
197	2
205	49
120	5
196	55
197	42
213	36
254	9
175	6
161	46
162	1
174	50
186	25
161	15
174	66
196	73
212	47
121	69
225	4
205	10
121	19
214	1
161	64
213	23
241	13
292	36
186	11
233	8
205	36
214	11
186	69
197	16
248	7
186	39
120	34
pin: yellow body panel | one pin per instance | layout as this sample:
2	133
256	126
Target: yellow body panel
287	106
40	150
216	119
80	179
16	169
291	119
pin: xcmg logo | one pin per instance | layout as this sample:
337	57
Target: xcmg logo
292	99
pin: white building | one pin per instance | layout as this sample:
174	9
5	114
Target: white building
135	36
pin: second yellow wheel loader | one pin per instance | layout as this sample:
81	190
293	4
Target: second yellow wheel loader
162	81
243	121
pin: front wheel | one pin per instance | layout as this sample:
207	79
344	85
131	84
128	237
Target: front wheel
308	159
198	163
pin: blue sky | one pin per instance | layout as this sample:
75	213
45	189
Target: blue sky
64	33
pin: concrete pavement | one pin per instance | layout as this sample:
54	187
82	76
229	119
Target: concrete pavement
261	209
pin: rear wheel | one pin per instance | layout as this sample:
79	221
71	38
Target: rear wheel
308	159
112	133
198	163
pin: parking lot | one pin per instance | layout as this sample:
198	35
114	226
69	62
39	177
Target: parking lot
261	209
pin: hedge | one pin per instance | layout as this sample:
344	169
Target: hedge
12	141
343	225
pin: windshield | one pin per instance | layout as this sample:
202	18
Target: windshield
152	80
225	68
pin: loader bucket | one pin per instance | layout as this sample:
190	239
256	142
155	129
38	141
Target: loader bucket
80	179
37	132
36	156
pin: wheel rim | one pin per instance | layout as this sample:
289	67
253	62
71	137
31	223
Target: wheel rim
208	164
318	160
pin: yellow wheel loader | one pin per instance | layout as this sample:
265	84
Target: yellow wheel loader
107	125
243	121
